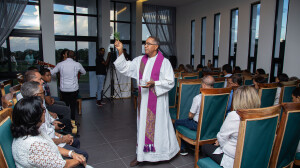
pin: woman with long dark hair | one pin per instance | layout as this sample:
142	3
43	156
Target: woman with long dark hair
32	148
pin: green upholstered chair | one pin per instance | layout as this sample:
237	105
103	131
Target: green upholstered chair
216	69
212	114
248	80
6	157
297	159
219	82
188	89
193	75
287	89
267	94
266	76
200	74
256	136
288	136
173	98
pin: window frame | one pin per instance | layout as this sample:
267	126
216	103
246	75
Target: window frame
254	58
216	57
202	57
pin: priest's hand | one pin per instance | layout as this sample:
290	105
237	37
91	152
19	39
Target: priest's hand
149	84
119	47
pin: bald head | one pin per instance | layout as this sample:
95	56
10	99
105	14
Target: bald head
208	81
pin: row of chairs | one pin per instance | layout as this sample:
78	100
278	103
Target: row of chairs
261	141
188	89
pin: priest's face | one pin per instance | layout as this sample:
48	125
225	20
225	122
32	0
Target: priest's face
151	47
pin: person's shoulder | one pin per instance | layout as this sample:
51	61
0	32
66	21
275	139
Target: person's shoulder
198	96
233	115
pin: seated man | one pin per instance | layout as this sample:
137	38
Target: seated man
33	88
59	107
36	76
192	122
233	81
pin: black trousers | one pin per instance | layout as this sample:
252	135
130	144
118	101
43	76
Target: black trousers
208	150
70	98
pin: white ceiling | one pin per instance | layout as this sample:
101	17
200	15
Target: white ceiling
174	3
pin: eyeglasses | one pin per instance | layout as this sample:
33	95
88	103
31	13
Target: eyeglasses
147	44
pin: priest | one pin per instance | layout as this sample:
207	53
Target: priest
156	139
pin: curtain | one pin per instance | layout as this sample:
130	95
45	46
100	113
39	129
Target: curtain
10	13
161	23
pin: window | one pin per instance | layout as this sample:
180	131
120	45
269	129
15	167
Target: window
282	9
216	39
75	28
120	21
203	40
254	36
192	42
233	36
23	48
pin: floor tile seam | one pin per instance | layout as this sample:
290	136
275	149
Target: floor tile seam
89	146
107	142
120	140
105	162
184	165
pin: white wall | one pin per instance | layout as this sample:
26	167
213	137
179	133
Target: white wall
292	49
185	14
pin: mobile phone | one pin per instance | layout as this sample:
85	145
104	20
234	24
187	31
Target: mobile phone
61	125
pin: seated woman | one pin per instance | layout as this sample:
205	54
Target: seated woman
223	151
280	78
32	148
258	79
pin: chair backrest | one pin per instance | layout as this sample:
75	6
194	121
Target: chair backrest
286	91
247	80
188	89
200	73
7	112
6	157
219	82
267	94
256	136
213	74
287	137
212	112
193	75
173	92
216	69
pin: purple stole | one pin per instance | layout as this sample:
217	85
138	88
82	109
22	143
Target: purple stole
152	101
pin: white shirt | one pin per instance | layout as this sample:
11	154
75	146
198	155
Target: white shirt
277	97
195	109
68	70
226	76
227	138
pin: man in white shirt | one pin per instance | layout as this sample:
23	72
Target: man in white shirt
227	71
69	87
192	122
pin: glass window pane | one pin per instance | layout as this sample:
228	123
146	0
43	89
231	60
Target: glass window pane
145	33
233	32
30	18
86	26
112	16
4	58
216	63
254	33
275	70
63	24
124	30
216	34
63	6
193	37
27	52
61	45
122	12
86	7
85	51
143	49
112	30
203	36
203	61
